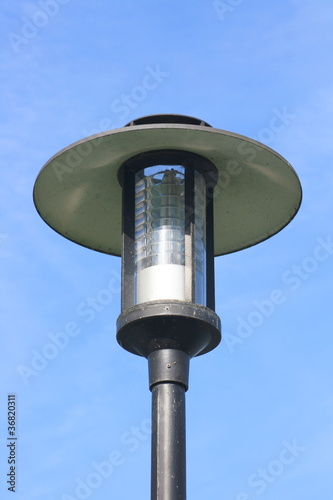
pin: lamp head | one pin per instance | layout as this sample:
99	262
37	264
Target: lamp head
167	193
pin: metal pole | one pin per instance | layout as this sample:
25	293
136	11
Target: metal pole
168	377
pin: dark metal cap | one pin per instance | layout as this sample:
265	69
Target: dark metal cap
168	118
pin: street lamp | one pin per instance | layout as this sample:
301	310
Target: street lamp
167	193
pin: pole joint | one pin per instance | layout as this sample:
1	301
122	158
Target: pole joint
168	366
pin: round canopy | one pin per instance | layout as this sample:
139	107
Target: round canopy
78	194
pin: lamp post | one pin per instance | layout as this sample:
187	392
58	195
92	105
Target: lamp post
167	193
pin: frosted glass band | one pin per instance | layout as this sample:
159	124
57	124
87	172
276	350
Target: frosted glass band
162	282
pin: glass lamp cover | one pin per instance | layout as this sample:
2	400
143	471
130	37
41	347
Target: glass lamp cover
163	270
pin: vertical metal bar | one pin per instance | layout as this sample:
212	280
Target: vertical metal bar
210	273
128	233
168	380
168	479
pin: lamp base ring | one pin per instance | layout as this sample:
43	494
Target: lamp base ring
147	327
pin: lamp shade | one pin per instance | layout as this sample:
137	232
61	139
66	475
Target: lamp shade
77	192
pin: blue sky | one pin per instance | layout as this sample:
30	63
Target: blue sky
260	407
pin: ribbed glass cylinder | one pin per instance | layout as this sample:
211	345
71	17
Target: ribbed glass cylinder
170	243
160	234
